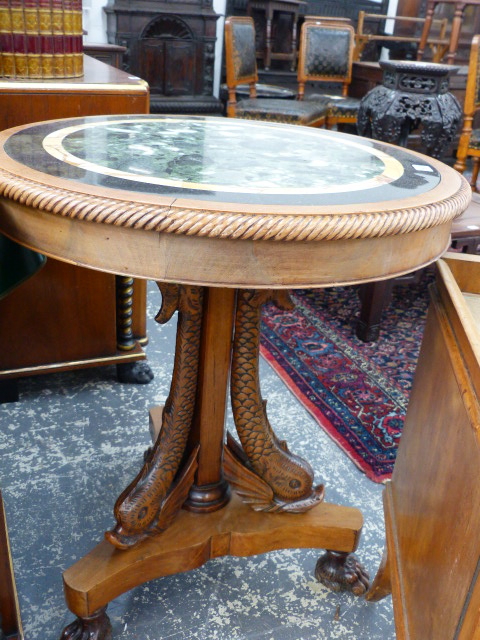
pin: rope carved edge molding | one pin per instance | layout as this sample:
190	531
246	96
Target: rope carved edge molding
232	226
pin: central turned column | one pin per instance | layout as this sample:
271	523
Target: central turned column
210	490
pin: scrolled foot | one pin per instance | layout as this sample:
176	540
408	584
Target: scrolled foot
94	627
342	572
135	372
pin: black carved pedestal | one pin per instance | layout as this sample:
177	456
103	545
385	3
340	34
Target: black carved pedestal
413	95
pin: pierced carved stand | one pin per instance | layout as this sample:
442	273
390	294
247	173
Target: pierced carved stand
225	215
412	95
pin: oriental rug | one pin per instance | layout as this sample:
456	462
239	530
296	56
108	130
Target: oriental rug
357	392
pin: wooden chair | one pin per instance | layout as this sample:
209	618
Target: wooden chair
469	143
432	503
326	54
241	68
437	43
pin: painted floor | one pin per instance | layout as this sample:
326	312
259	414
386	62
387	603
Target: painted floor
70	446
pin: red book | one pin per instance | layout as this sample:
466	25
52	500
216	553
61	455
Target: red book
18	26
32	38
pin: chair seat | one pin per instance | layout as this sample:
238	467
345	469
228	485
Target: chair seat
338	106
242	91
277	110
474	142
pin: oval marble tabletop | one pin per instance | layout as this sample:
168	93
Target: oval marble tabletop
224	202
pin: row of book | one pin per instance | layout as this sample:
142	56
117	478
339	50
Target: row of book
41	39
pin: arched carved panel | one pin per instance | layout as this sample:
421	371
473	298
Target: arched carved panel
168	26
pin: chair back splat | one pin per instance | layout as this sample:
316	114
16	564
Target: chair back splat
326	55
240	58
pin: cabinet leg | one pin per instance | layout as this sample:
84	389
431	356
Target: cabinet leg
94	627
340	571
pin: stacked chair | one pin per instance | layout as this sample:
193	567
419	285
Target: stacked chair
325	56
241	68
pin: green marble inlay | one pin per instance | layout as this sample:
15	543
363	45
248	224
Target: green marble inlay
225	155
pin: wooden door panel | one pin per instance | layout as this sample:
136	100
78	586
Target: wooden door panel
179	67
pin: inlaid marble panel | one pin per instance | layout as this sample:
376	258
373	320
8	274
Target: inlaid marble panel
223	160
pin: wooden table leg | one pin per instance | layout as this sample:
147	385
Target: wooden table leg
185	467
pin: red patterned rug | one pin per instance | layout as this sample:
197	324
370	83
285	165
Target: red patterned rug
357	392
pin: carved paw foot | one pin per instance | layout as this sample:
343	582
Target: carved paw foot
94	627
135	372
342	572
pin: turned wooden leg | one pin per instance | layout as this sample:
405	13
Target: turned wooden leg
455	31
475	169
463	143
342	572
374	297
94	627
426	29
210	490
138	372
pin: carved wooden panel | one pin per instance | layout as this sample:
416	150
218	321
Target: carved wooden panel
172	47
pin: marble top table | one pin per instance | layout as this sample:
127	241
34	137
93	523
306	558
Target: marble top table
225	215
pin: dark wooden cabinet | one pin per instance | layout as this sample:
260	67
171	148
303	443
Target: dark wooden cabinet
65	317
172	47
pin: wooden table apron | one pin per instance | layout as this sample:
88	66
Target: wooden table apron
217	258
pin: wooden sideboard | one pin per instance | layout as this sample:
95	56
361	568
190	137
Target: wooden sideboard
66	316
